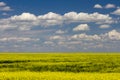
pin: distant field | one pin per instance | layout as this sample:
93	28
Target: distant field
65	62
59	66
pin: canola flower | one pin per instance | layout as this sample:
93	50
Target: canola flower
58	76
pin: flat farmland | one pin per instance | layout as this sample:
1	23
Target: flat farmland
59	66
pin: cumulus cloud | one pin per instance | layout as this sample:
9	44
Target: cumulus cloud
48	42
110	6
104	26
85	17
98	6
21	22
86	41
17	39
60	32
84	36
70	42
56	37
50	19
81	27
2	4
116	12
24	17
4	7
26	21
111	35
107	6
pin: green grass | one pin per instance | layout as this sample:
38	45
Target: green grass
59	66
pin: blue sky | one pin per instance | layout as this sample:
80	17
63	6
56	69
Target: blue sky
45	25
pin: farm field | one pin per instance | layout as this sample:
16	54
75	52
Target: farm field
58	76
59	66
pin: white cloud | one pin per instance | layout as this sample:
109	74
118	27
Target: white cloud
70	42
60	32
6	8
50	16
50	19
81	27
24	17
86	37
110	6
17	39
109	40
26	21
56	37
21	22
104	26
106	6
2	4
48	42
72	17
116	12
111	35
98	6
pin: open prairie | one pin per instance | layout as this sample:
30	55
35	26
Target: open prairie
59	66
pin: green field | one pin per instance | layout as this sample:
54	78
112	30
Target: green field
59	66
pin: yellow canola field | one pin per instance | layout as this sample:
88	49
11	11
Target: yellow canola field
58	76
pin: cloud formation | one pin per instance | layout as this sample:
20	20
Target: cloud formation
104	26
85	17
116	12
56	37
107	6
2	4
26	21
110	6
81	27
72	31
85	41
60	32
98	6
111	35
84	36
17	39
4	7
